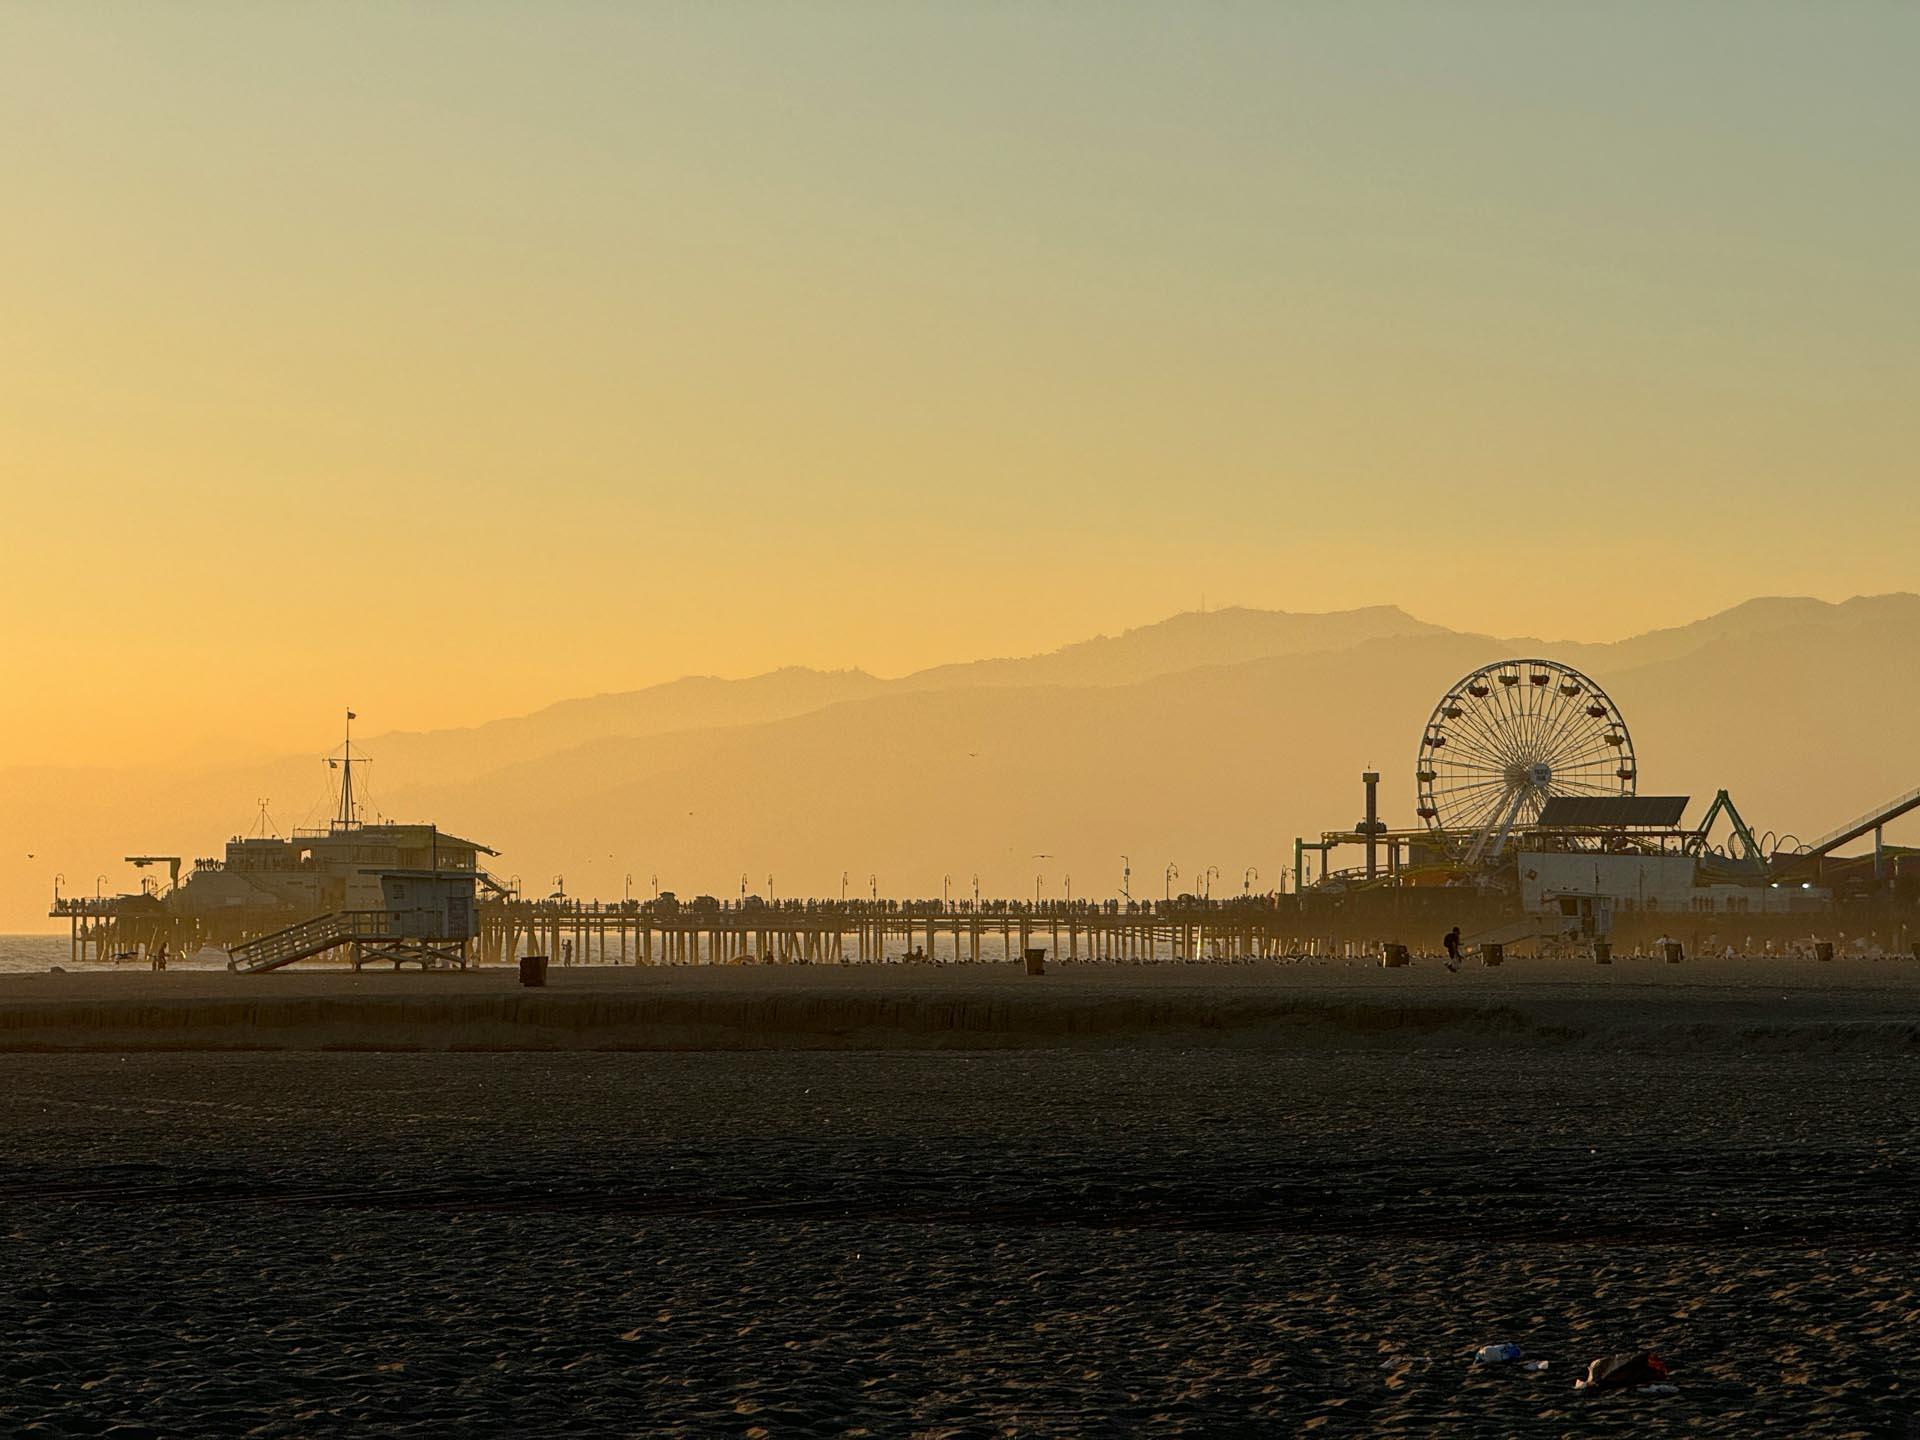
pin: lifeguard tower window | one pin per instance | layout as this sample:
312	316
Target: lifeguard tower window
429	905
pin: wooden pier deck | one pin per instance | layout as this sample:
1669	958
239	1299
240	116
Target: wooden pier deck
828	933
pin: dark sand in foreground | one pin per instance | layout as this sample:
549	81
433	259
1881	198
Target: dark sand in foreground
1092	1239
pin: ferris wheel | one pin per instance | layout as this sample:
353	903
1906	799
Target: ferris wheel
1509	737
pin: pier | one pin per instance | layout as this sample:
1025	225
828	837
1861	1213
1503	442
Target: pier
828	932
1183	930
861	932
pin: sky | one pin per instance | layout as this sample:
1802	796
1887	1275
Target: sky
449	360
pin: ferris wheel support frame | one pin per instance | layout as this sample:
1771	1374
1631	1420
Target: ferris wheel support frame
1477	853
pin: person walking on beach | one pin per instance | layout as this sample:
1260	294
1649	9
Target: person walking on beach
1452	942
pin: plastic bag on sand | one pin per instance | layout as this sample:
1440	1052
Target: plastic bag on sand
1504	1353
1630	1370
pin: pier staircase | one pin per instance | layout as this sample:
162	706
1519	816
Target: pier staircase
308	938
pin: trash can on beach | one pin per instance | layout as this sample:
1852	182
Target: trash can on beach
1823	950
1392	957
533	970
1602	952
1036	962
1492	954
1674	953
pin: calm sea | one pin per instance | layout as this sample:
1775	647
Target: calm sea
36	954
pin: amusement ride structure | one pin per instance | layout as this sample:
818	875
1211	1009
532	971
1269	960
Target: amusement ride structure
1531	755
1507	739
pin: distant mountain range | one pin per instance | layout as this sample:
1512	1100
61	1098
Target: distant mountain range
1204	741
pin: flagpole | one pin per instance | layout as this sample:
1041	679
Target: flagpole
346	782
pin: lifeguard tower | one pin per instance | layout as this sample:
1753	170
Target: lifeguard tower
427	919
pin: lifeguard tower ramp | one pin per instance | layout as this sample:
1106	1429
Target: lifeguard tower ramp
428	920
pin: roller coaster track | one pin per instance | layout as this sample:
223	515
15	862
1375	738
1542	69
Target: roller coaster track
1851	831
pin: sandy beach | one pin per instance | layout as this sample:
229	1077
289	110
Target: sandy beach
897	1201
1021	1242
1758	1004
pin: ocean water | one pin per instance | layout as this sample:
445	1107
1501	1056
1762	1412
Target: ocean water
36	954
30	953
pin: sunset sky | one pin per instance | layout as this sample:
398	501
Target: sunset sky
449	360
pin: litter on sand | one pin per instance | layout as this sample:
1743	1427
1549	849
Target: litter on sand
1630	1370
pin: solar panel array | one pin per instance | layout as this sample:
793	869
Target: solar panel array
1663	811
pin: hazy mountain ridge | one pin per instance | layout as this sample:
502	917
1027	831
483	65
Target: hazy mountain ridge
689	703
1758	617
1182	642
1805	710
1179	642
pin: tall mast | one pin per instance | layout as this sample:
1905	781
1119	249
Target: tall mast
346	819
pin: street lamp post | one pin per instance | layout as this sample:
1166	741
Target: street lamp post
1036	891
99	881
629	887
1126	878
1246	881
1211	872
946	892
1173	874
